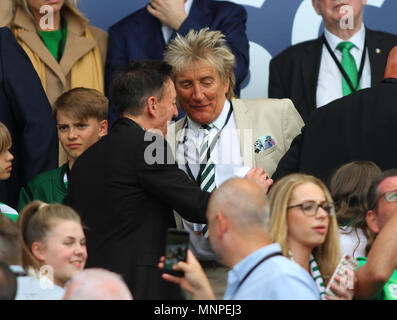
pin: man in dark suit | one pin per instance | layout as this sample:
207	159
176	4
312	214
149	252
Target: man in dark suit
361	126
145	33
26	112
309	73
126	185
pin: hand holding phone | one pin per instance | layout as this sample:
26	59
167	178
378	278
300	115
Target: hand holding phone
345	270
177	244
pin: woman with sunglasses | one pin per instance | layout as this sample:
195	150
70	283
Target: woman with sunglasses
303	222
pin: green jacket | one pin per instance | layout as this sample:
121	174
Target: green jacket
48	186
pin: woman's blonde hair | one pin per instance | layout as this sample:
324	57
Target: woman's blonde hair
327	255
204	45
34	223
24	4
5	138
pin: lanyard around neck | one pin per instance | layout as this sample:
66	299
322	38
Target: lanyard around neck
278	253
342	70
212	146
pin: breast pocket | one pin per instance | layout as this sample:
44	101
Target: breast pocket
267	160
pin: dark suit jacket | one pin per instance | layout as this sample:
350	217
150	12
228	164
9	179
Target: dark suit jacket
139	36
26	112
294	72
361	126
126	205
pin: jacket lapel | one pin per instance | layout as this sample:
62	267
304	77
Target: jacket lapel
244	125
310	70
377	56
77	45
30	37
200	11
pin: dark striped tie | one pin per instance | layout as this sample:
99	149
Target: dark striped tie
207	175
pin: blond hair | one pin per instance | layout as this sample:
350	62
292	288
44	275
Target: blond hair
327	255
34	223
5	138
25	6
204	45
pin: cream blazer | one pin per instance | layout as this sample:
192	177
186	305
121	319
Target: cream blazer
256	118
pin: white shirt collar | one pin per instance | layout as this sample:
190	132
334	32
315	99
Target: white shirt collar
188	6
358	39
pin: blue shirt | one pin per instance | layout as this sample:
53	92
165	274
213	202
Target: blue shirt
277	278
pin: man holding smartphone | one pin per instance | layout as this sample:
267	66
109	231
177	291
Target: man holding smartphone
238	232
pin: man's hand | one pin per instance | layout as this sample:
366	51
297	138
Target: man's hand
170	12
260	177
194	281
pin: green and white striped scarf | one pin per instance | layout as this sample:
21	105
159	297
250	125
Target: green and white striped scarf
8	212
316	275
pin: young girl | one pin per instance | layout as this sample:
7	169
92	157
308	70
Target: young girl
303	223
53	242
6	167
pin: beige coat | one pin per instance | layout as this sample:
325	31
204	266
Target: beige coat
77	45
5	12
255	118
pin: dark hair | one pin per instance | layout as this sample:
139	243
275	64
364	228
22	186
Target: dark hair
373	195
83	103
373	192
349	189
8	283
10	245
134	83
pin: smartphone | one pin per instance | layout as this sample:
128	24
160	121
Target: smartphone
177	244
345	269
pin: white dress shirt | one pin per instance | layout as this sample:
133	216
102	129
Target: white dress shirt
228	161
167	31
329	85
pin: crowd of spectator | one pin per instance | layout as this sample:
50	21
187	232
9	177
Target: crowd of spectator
271	201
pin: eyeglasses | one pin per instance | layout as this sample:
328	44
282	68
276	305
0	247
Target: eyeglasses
310	208
390	196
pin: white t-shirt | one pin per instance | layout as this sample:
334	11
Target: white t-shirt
352	242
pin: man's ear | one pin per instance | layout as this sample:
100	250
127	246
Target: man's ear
372	221
314	3
151	106
222	224
103	128
37	250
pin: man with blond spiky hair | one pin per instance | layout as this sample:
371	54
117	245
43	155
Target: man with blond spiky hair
145	33
223	131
